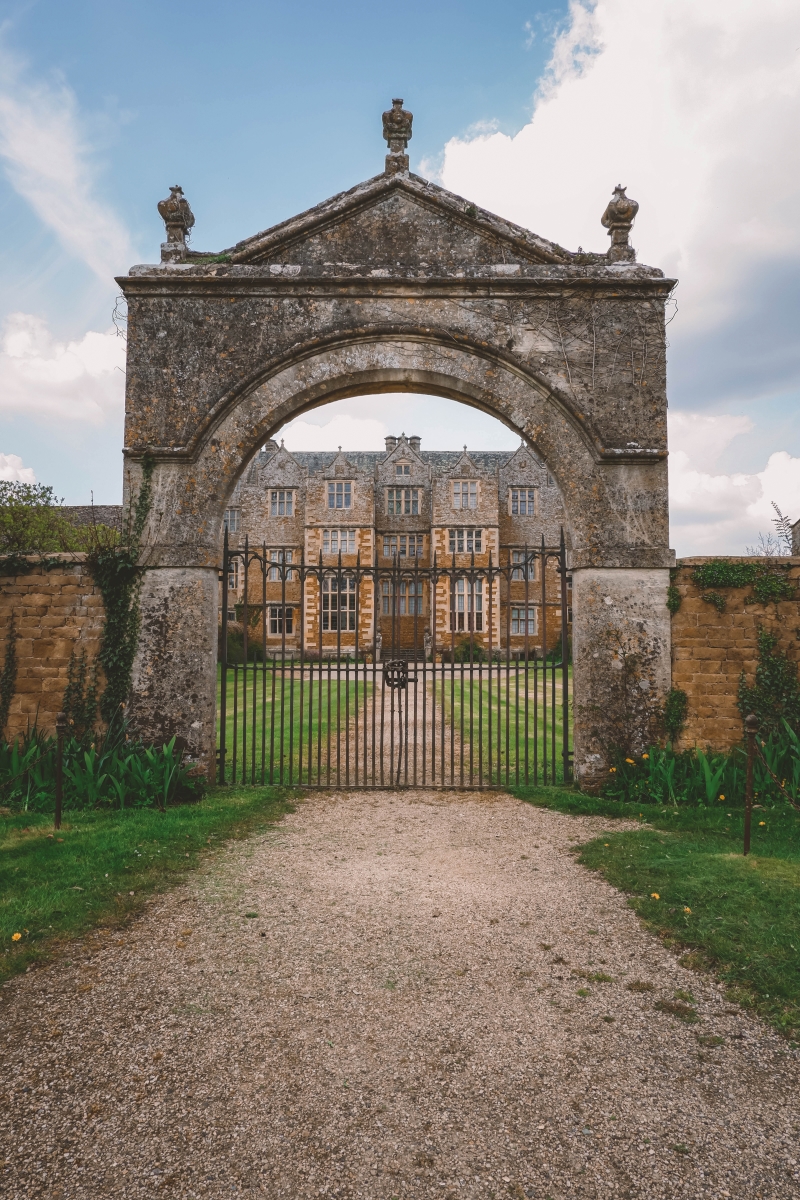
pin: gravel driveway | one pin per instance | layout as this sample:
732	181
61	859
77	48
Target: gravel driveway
379	999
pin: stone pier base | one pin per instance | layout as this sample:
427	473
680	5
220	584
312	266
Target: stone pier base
173	690
621	664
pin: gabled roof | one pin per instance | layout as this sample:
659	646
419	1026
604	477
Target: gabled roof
404	220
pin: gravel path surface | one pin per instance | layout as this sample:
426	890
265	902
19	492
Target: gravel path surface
400	1019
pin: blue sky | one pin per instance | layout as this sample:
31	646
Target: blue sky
260	110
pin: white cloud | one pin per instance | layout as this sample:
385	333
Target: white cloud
714	513
362	423
12	470
41	377
693	106
339	429
47	160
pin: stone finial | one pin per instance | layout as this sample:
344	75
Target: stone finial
179	219
397	131
618	219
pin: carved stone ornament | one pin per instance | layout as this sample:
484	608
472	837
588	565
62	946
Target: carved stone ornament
179	219
618	219
397	131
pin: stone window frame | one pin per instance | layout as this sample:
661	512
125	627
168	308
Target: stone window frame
280	616
278	497
518	565
403	543
340	489
465	536
402	469
466	605
407	498
468	488
530	505
410	598
335	590
518	619
232	519
279	558
342	533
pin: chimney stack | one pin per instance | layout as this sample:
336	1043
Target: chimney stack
414	443
391	444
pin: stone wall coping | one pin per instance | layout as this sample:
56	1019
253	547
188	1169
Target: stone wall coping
61	556
793	560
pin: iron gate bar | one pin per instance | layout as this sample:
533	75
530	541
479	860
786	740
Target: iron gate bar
463	704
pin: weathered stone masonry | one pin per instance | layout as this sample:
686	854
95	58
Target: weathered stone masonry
710	649
55	612
401	285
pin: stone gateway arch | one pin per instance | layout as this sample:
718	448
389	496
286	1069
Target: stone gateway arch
400	285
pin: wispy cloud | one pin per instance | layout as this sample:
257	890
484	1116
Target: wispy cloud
49	162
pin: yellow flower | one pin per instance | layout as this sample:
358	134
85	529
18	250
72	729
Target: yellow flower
722	797
611	770
762	822
606	843
15	937
645	756
687	910
631	761
654	896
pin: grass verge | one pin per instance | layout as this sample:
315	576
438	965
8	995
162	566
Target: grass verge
100	866
690	884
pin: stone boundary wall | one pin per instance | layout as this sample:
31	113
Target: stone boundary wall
711	649
55	611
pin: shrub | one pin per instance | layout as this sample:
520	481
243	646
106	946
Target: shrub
774	696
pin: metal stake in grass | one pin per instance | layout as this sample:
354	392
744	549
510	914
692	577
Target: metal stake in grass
61	729
751	729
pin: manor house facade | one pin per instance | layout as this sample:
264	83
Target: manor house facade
407	509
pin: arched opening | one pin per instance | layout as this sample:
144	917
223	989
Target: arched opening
392	611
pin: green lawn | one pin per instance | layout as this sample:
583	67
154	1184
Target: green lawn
277	725
744	913
100	865
520	739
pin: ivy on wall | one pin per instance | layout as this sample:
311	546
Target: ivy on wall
118	575
80	695
675	712
769	581
775	693
8	676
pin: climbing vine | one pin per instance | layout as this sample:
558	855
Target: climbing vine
118	575
8	677
80	695
675	712
769	581
775	693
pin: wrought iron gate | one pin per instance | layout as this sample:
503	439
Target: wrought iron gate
340	674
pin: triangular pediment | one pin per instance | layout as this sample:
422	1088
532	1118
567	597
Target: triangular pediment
397	221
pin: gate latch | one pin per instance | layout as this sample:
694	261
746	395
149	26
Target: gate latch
395	674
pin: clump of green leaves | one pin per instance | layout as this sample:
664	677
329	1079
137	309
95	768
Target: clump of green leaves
676	709
774	696
769	581
719	601
99	772
674	598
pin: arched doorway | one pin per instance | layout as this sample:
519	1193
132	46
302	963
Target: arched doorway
399	285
